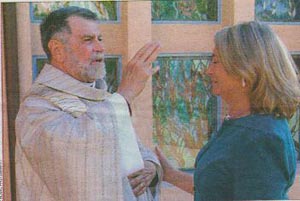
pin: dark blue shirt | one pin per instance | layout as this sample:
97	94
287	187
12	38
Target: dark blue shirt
250	158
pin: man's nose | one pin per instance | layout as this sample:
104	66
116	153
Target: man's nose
98	46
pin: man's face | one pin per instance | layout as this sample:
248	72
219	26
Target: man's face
84	50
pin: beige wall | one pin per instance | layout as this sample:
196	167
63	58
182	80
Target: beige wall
136	29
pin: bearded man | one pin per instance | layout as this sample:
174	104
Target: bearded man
74	140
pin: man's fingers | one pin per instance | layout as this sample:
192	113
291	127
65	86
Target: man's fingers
138	71
140	189
135	174
148	179
141	52
138	184
151	56
154	70
146	52
151	49
136	180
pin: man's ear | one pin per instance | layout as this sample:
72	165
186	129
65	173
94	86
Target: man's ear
56	48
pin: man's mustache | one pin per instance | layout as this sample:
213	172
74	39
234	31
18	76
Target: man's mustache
98	57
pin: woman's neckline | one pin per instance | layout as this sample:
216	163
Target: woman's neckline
237	115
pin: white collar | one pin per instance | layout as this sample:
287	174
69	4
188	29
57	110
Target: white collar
57	79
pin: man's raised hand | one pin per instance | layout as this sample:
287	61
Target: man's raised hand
138	71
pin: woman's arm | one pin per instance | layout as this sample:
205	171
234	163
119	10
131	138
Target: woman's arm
173	176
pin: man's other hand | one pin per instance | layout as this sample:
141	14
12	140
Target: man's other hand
141	179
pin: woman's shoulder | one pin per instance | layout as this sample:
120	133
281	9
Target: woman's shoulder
256	129
260	123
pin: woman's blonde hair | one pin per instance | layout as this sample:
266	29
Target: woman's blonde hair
253	52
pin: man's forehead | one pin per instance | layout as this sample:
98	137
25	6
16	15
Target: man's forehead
81	19
80	24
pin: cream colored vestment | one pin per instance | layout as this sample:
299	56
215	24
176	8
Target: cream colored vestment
68	143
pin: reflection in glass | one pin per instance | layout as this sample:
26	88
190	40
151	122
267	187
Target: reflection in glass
277	10
184	111
106	10
182	10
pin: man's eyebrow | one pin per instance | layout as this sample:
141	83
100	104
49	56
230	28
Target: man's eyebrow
91	35
87	35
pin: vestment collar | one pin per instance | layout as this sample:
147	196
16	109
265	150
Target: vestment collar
57	79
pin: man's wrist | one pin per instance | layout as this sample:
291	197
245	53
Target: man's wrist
129	107
127	94
127	101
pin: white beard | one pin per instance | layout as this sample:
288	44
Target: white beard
98	72
99	77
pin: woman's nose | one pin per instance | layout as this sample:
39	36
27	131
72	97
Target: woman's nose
208	71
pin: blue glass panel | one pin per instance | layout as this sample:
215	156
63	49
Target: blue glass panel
106	10
277	10
183	10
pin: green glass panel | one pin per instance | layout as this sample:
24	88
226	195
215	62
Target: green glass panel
183	10
277	10
106	10
112	73
294	124
184	112
40	62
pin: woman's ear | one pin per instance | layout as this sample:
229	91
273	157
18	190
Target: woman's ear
56	48
243	83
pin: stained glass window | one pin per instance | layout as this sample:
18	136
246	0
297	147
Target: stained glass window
184	111
113	73
112	64
183	10
38	63
277	10
296	58
106	10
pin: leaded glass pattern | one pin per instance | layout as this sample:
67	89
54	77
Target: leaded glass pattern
183	10
113	73
277	10
184	111
106	10
112	64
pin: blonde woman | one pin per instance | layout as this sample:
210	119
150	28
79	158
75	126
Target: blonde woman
252	156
